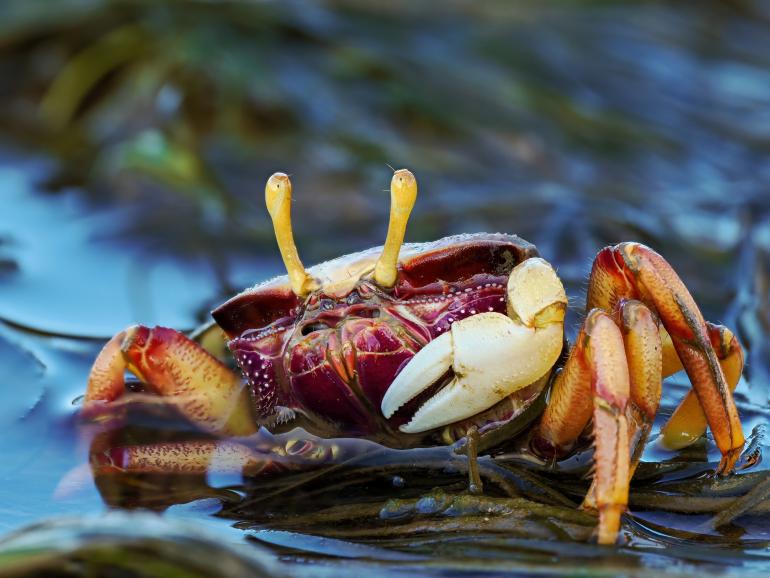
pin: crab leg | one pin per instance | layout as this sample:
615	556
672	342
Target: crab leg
180	370
633	271
491	355
688	423
641	340
189	457
254	455
594	383
105	382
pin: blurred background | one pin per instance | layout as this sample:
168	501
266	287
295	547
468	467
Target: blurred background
149	128
136	137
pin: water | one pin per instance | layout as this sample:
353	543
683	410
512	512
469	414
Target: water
573	126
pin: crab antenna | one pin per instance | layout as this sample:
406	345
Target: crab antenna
278	201
403	192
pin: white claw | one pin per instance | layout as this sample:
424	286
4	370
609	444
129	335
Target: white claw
533	286
491	355
421	372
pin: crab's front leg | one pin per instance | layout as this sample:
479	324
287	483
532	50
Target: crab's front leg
490	355
184	375
178	369
633	271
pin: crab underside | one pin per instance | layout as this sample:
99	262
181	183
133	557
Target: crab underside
416	345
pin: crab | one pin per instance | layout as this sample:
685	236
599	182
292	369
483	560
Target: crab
416	344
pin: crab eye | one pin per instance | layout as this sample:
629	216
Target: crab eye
327	304
353	298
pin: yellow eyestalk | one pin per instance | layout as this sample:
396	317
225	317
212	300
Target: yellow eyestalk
278	201
403	193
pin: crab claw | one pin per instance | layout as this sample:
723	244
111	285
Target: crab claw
490	355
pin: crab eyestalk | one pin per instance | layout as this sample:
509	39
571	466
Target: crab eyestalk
278	201
403	193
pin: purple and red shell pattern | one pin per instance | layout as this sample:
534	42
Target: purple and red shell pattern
332	355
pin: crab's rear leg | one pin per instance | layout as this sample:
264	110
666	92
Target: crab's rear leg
633	271
612	376
178	369
641	338
688	422
641	341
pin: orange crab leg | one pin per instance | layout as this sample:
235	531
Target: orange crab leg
633	271
189	457
641	338
175	367
594	383
106	381
257	454
688	423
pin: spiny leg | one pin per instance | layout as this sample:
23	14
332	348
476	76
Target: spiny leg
688	423
633	271
188	457
263	453
178	369
594	383
106	379
641	340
